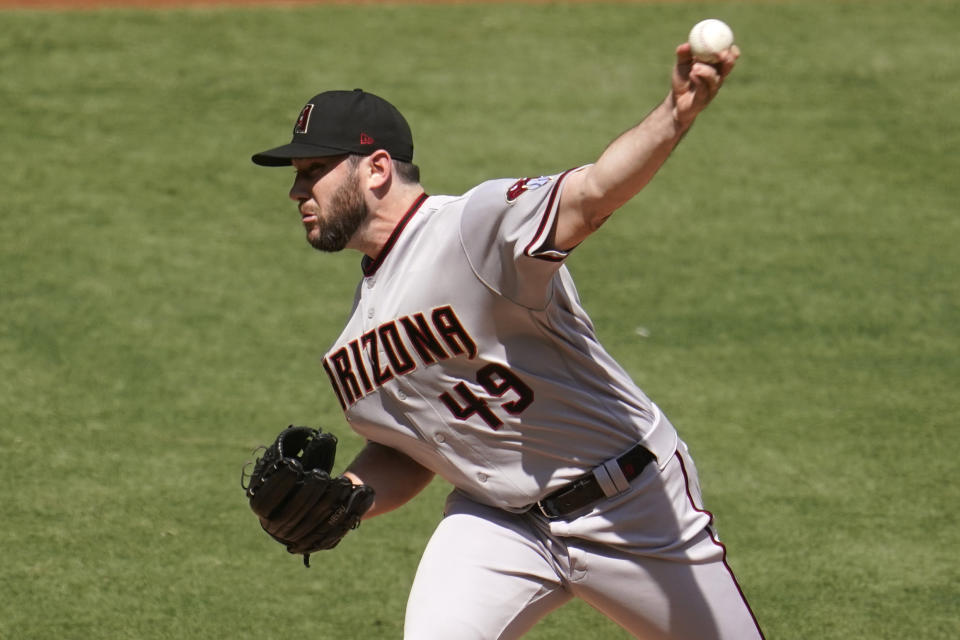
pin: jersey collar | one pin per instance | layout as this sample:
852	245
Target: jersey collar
370	265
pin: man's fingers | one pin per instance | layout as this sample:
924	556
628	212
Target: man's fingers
696	84
684	53
728	59
684	58
706	80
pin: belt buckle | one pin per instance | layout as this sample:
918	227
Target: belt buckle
572	487
544	511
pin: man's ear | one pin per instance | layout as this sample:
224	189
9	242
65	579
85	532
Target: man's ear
378	170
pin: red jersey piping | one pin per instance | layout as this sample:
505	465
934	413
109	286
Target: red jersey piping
537	238
369	265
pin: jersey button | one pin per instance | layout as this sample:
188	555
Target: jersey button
440	438
401	395
482	477
370	313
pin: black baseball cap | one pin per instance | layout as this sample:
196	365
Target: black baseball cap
337	122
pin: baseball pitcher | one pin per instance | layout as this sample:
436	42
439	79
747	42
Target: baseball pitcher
468	355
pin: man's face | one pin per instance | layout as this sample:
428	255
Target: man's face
330	200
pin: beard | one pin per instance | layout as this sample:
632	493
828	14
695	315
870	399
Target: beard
346	211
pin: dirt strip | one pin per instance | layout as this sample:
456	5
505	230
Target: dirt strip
181	4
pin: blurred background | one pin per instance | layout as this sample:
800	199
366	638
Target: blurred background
786	290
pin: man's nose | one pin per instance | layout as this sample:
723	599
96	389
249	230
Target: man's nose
298	191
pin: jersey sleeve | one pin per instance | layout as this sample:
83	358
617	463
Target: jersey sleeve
504	231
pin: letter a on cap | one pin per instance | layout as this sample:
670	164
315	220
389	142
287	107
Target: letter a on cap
303	122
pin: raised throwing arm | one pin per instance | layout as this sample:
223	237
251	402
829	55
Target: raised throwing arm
590	196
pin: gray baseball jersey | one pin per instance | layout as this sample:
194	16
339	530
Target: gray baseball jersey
468	349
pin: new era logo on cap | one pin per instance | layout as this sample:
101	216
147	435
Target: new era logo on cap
303	122
365	139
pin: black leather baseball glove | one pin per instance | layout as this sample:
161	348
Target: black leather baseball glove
297	501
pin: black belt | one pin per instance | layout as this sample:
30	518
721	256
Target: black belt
586	490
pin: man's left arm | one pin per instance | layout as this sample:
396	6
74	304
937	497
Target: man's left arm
626	166
395	477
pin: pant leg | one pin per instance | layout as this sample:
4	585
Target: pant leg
485	574
660	599
660	571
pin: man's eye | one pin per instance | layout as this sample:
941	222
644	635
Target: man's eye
310	172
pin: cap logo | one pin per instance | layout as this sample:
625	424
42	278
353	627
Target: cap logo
303	121
365	139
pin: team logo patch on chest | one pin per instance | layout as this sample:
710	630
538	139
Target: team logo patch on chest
525	184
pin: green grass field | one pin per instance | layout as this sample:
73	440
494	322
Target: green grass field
787	290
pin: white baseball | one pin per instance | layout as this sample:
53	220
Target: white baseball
708	38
